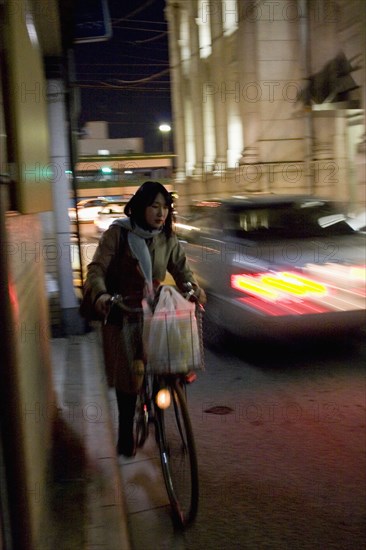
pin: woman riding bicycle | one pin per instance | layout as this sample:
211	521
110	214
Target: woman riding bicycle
132	259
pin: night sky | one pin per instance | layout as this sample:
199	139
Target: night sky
120	79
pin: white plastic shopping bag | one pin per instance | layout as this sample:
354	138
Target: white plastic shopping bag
173	339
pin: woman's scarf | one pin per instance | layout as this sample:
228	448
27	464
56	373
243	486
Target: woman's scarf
136	239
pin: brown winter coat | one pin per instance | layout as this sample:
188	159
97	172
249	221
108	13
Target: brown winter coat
114	270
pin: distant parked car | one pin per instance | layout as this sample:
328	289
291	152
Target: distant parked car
87	209
108	213
277	265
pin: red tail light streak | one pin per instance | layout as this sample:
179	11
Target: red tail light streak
278	286
292	293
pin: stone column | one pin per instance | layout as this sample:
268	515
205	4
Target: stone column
208	112
323	47
220	112
60	163
268	50
360	157
190	147
172	13
249	86
195	86
211	89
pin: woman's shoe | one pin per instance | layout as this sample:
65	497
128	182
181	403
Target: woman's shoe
126	408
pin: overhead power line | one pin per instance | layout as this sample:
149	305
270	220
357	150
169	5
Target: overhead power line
147	79
123	28
134	12
134	88
122	64
151	39
143	21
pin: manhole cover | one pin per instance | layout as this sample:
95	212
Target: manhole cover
219	409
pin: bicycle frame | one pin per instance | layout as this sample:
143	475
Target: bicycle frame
174	437
173	429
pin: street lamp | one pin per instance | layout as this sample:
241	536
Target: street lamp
165	129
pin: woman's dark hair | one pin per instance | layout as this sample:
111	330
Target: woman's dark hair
144	197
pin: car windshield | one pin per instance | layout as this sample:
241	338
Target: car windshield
113	208
90	203
296	220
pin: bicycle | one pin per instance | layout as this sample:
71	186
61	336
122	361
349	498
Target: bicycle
162	402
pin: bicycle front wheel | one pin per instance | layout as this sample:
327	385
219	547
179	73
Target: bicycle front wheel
178	456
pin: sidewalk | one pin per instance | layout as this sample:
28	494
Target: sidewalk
89	502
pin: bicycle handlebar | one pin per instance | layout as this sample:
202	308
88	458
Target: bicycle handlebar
120	301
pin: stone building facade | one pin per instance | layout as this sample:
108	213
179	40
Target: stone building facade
269	96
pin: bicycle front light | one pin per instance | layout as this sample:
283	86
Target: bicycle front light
163	399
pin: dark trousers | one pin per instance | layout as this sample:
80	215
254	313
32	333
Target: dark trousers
126	403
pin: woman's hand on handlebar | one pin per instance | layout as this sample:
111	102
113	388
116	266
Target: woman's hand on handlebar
202	298
103	304
194	293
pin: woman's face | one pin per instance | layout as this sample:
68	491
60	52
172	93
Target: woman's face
156	213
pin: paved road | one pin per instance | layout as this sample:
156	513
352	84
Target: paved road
286	468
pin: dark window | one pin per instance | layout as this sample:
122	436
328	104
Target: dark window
298	220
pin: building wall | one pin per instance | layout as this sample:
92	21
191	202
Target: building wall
96	138
27	118
91	146
28	407
237	81
28	329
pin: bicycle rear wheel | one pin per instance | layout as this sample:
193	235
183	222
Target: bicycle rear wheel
178	456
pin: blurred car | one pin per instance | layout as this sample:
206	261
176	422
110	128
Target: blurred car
87	209
108	213
276	265
358	222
